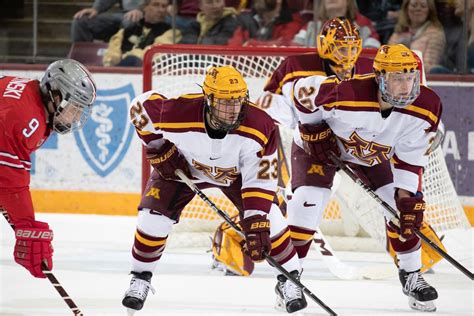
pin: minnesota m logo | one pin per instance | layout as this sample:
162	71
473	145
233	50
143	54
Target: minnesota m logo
316	169
154	193
366	151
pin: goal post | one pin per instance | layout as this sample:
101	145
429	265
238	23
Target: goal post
173	70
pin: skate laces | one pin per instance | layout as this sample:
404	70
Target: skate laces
291	291
415	281
139	288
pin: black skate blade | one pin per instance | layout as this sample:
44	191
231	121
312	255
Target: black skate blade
132	303
295	306
426	306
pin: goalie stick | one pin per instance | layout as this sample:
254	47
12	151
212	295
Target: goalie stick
338	268
52	279
394	212
270	260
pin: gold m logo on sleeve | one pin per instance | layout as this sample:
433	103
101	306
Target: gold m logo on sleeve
154	193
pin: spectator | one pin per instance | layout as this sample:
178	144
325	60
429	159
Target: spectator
329	9
214	24
383	13
418	28
95	23
188	10
128	45
269	23
470	23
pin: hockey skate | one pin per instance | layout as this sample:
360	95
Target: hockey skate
136	294
290	298
420	294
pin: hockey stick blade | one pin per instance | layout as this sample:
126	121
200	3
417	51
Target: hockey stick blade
338	268
51	278
394	212
269	259
345	271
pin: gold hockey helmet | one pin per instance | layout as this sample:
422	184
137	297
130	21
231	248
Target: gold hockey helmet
395	65
339	42
226	96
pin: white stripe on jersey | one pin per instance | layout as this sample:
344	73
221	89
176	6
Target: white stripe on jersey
17	166
24	164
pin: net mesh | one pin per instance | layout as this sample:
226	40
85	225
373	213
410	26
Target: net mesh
351	211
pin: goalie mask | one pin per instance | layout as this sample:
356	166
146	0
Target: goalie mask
339	42
226	97
69	91
397	74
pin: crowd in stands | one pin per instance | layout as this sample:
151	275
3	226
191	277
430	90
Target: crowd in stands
433	27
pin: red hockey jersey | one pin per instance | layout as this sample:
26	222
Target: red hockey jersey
24	128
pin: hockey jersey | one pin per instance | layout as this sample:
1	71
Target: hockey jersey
364	136
248	151
24	128
291	69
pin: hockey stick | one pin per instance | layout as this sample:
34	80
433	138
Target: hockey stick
338	268
394	212
270	260
52	279
343	270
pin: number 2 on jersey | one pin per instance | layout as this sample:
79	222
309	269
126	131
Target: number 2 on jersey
265	172
138	118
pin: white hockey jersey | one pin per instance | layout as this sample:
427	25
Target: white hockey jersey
249	151
364	137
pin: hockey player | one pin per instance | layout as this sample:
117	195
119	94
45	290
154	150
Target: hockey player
220	140
367	121
338	48
30	110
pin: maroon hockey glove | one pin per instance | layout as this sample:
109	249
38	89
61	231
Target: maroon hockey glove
319	142
257	236
33	246
411	214
166	159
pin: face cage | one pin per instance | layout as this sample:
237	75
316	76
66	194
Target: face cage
216	115
342	62
69	117
399	101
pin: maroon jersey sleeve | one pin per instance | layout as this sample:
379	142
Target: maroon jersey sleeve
294	68
24	125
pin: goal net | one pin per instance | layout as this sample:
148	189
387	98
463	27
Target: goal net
352	219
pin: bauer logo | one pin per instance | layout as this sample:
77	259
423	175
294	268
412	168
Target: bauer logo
106	136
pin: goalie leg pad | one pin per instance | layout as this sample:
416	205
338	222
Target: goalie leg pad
228	252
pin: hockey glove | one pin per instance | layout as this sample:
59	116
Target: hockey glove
166	159
257	236
33	246
411	214
319	142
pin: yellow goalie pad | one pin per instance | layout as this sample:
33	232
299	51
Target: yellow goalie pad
429	257
227	249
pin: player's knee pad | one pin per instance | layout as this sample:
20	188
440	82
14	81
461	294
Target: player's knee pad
277	221
387	194
306	207
153	223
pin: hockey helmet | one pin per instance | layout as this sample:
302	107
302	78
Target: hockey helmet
339	42
72	91
226	96
397	73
